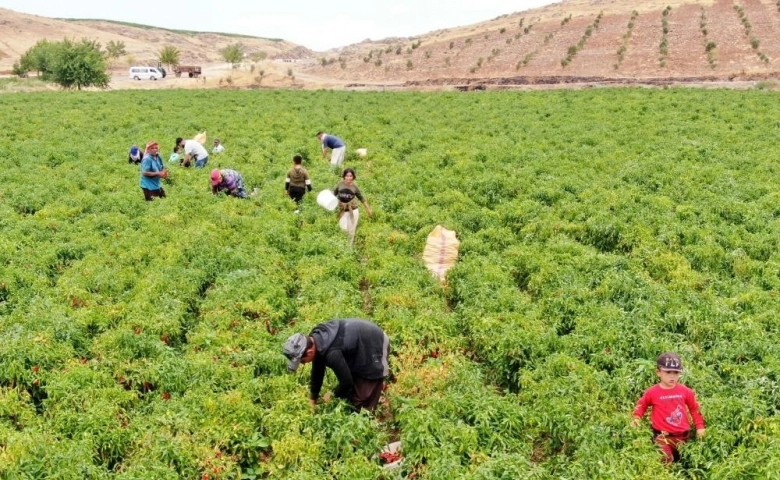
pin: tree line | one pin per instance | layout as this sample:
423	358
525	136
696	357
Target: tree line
67	63
82	64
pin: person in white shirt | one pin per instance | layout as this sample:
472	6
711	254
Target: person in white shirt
193	150
218	147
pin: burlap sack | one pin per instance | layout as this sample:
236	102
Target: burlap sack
441	251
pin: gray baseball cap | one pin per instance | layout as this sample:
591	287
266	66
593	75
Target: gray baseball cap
294	348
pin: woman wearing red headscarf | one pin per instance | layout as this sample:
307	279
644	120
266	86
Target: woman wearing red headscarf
228	181
152	170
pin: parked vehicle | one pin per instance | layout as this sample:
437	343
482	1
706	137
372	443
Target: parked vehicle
192	70
145	73
160	68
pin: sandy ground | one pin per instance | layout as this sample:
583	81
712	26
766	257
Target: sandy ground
275	74
219	75
120	79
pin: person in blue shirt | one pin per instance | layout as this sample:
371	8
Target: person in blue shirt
336	146
152	171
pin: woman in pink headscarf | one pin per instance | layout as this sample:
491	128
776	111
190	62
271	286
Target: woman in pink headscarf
228	181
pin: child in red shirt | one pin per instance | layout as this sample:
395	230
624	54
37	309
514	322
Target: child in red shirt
671	403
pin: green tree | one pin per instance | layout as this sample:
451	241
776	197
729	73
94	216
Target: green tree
258	56
18	70
114	50
80	64
233	53
169	55
39	58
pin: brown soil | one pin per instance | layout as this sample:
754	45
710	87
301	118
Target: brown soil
499	54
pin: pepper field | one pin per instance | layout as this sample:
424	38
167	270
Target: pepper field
598	229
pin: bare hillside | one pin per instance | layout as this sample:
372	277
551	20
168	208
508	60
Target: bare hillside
19	32
580	41
570	42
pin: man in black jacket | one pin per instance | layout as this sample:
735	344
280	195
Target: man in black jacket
355	349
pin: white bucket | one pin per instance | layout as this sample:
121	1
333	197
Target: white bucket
327	200
394	447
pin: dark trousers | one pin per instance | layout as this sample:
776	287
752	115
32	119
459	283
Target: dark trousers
150	194
366	393
297	193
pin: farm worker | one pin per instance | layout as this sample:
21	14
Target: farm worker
218	147
348	194
671	403
335	144
356	350
134	155
297	182
228	181
175	156
193	150
152	170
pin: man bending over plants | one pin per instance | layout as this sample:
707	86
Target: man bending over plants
671	402
335	144
356	350
193	152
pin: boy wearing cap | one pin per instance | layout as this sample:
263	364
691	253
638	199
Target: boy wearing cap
671	403
229	181
355	349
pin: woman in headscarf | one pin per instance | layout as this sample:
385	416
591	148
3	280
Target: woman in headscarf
134	155
348	194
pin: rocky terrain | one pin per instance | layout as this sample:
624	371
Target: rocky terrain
573	42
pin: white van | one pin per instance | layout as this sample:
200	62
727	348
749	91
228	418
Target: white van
145	73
